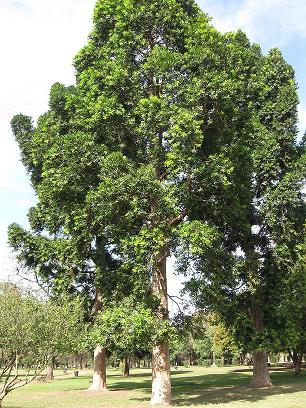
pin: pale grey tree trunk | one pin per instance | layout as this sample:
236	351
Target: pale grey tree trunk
161	381
99	372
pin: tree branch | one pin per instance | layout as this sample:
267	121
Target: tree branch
177	220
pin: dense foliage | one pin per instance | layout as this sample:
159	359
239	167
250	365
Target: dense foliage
175	139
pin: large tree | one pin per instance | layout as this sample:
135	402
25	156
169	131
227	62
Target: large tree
159	124
245	276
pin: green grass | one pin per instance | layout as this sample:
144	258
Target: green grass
193	387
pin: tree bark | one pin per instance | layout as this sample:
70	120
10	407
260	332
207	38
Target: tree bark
99	374
126	372
161	381
50	374
261	377
297	361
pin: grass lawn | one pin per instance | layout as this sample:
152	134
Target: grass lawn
192	387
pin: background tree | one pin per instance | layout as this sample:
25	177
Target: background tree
62	268
202	339
245	277
31	332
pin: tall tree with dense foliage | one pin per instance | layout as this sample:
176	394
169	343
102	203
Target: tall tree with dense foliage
258	238
150	148
112	160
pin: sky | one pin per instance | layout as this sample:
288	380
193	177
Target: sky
39	39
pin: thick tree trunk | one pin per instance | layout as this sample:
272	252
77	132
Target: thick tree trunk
261	376
126	371
161	381
99	374
50	368
297	362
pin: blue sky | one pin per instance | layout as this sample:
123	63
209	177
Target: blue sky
40	38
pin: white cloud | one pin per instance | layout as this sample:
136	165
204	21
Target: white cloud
271	21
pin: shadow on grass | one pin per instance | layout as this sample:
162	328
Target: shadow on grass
147	374
211	388
250	369
225	395
225	388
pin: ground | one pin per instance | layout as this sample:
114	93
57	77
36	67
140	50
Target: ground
192	387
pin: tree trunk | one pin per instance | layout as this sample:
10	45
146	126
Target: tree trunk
126	372
161	381
50	368
297	362
50	374
261	377
99	374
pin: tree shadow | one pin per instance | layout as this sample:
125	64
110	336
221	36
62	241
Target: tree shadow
225	395
228	387
127	383
277	368
147	374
